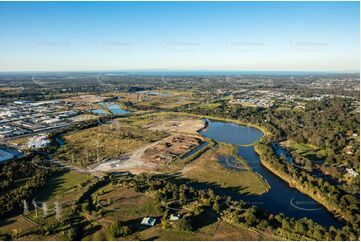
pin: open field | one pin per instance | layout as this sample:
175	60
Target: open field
168	102
305	149
209	105
107	141
166	99
190	126
207	168
61	183
17	224
167	121
119	204
154	156
125	205
219	231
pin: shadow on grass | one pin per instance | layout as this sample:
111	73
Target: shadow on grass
203	219
53	184
177	178
4	222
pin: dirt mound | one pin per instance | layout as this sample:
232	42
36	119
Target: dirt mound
170	148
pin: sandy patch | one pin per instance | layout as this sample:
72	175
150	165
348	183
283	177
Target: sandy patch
186	126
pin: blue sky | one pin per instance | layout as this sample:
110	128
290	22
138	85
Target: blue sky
71	36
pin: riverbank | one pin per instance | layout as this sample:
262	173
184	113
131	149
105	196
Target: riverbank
295	184
337	212
208	169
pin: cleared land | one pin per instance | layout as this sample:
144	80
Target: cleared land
170	148
154	156
190	126
107	141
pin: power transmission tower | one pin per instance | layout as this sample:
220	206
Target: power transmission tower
45	209
57	211
97	150
26	207
87	157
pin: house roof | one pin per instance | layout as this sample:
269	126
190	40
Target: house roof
174	217
148	221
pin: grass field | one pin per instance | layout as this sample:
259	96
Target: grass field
209	106
305	149
88	146
125	205
119	204
168	102
218	230
61	183
206	168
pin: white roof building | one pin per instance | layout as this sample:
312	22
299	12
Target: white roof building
38	141
148	221
174	217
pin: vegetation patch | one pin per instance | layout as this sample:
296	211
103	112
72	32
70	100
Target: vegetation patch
208	169
305	149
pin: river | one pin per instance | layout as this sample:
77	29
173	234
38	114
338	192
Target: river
280	198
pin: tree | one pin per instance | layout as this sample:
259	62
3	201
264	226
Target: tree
300	228
317	234
182	225
118	229
250	216
216	207
286	224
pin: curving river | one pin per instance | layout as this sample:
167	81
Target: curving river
280	198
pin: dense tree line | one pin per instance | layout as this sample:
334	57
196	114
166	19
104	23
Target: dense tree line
14	170
13	199
345	205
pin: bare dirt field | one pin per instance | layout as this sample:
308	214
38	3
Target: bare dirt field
170	148
185	126
183	138
85	98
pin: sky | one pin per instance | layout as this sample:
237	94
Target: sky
241	36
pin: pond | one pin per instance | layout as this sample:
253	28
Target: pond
116	109
99	112
113	108
280	198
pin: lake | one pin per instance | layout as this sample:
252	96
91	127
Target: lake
280	198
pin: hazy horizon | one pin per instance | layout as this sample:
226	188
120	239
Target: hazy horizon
179	36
